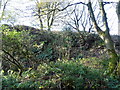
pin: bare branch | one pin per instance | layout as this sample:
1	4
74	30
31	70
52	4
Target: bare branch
93	18
104	17
3	10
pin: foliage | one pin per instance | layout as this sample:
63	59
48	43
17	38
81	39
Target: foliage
34	58
29	45
61	74
16	46
71	74
53	60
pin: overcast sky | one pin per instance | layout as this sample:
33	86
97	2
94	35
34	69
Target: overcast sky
24	17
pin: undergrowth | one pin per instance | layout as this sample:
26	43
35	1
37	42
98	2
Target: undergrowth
63	74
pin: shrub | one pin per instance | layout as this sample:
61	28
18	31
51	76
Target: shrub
69	74
62	74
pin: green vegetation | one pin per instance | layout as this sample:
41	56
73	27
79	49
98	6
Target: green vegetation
61	74
65	60
58	60
54	60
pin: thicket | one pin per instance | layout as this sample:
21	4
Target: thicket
42	59
63	74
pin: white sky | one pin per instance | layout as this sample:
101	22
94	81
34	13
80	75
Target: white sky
23	5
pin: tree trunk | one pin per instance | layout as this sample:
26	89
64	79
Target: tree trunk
118	10
114	59
118	14
39	16
105	35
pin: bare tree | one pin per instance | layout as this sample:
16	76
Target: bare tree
118	14
76	18
4	4
105	35
47	13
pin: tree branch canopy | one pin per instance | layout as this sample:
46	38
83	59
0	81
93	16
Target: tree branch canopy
71	5
58	9
104	17
93	17
3	10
